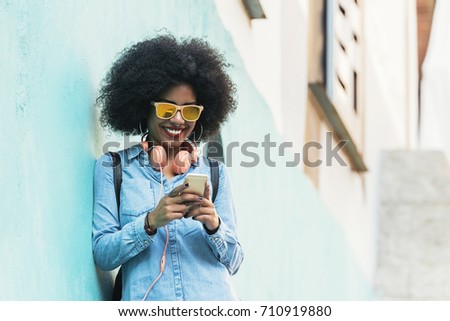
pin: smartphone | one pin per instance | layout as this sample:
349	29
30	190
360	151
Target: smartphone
196	182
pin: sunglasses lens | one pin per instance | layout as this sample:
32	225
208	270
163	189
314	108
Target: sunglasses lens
191	113
165	111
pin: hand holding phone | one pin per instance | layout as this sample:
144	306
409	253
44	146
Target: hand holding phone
201	210
197	183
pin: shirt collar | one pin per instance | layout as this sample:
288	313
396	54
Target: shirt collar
134	151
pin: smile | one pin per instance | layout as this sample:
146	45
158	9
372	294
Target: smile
173	132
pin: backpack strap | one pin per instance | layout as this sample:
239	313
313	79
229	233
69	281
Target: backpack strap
117	168
117	178
214	168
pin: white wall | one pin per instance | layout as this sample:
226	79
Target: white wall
390	107
435	94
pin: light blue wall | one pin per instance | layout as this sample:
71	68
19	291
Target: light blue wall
53	56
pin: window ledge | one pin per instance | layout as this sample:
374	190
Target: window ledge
254	9
328	112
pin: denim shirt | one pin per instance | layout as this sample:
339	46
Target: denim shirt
198	265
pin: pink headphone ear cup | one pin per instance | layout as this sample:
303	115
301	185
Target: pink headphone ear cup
158	157
194	155
192	148
181	162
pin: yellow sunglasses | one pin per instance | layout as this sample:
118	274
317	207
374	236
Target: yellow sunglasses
167	110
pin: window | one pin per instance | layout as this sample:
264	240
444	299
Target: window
343	51
334	77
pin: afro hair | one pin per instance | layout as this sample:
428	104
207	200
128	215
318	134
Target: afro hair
146	70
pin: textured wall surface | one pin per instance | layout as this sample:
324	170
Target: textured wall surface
54	55
414	256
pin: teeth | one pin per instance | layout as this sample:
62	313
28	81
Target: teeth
173	131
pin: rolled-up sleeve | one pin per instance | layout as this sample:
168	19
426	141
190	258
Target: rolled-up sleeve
224	242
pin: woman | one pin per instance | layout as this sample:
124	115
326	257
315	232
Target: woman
172	245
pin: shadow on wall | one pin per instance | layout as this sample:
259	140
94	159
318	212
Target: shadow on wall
105	284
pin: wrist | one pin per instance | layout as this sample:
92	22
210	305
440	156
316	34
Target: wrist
149	228
211	231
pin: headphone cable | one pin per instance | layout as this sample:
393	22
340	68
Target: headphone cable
163	257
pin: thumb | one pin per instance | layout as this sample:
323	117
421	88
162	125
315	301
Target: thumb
177	190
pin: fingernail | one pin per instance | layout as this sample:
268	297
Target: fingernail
200	198
187	184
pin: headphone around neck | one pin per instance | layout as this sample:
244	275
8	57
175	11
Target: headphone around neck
157	155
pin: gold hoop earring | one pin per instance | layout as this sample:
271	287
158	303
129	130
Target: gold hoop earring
193	133
140	128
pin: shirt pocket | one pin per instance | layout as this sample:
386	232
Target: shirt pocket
136	199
